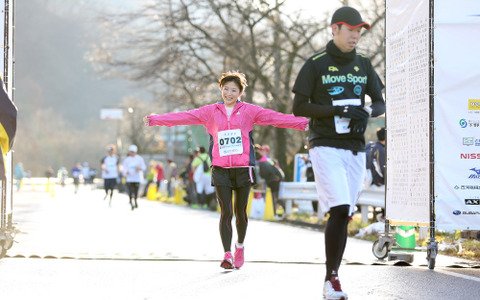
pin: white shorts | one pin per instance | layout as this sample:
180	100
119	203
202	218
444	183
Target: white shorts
339	176
204	183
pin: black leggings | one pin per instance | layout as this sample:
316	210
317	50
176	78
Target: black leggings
224	196
133	190
336	237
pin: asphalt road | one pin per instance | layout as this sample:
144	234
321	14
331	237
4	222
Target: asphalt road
74	246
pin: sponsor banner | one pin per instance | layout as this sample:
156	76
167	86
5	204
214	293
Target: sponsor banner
457	115
111	113
408	111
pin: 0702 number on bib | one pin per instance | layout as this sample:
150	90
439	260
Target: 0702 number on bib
230	142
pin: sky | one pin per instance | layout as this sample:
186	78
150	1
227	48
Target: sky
309	7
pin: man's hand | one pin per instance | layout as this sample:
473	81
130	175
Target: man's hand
358	126
351	111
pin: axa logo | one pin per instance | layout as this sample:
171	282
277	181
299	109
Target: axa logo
336	90
463	123
332	69
476	175
472	201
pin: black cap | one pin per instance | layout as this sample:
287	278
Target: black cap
349	16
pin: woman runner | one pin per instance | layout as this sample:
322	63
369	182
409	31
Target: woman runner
230	126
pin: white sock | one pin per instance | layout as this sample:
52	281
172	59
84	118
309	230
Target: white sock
238	246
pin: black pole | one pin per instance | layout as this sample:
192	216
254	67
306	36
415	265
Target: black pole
432	119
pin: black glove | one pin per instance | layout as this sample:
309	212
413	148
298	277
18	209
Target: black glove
358	126
351	111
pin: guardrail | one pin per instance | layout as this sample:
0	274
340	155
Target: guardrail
290	191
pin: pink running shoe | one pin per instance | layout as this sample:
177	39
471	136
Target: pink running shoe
239	258
227	262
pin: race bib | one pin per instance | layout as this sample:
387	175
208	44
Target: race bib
230	142
341	124
132	168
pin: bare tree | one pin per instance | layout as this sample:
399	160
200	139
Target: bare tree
178	49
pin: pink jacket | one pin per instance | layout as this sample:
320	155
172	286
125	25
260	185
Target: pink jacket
244	116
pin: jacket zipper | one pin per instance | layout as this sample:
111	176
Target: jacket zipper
228	122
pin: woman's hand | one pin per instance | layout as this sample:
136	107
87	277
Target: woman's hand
146	121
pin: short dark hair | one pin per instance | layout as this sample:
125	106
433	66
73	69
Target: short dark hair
201	149
381	134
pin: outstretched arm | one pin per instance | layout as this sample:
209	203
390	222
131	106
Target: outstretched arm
266	116
191	117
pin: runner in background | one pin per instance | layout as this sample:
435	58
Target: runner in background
133	168
110	165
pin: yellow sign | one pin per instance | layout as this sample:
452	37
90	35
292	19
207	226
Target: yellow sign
473	104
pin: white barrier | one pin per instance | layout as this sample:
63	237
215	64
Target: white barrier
290	191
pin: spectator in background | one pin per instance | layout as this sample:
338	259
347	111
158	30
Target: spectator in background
92	174
150	176
170	175
376	159
86	174
270	173
201	167
76	171
62	174
160	174
266	149
110	165
49	173
18	174
186	175
368	173
133	167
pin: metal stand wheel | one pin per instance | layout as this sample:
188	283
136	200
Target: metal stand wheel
384	244
379	251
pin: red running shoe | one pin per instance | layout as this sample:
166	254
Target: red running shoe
332	290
